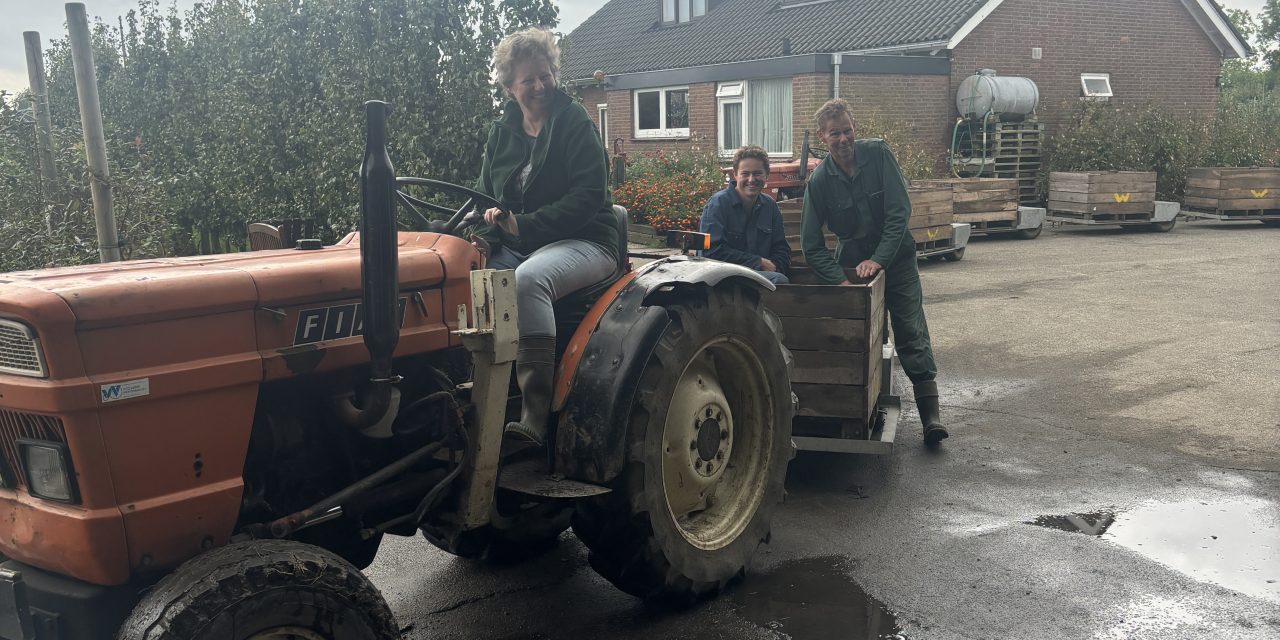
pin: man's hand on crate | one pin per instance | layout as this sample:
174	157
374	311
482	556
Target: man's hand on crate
867	268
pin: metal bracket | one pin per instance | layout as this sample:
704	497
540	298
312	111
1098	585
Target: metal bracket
492	338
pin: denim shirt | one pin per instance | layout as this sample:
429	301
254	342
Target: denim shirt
743	237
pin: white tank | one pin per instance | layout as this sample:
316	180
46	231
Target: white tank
985	92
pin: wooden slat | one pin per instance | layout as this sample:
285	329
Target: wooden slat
986	207
1101	197
834	400
926	221
825	334
818	301
990	216
824	367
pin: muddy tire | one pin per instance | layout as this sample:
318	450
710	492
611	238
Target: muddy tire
954	256
263	590
1164	227
708	443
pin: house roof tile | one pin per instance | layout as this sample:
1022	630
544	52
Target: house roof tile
624	35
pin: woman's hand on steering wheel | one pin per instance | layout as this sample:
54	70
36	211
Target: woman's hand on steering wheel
503	220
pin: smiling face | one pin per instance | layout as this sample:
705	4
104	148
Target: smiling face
751	175
533	85
838	134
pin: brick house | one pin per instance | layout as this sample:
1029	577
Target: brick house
729	72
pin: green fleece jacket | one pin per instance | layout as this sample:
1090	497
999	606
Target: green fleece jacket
566	195
868	212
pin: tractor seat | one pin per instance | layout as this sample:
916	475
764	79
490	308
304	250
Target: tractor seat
573	307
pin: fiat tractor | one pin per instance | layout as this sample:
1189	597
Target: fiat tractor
213	447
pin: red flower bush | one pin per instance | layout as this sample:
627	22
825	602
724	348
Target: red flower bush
667	190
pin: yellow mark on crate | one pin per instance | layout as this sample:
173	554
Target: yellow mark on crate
1121	197
932	233
1260	194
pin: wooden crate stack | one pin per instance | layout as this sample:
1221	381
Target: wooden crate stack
1228	191
1017	151
1103	196
792	211
931	216
984	203
835	335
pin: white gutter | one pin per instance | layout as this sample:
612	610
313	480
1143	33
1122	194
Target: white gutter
1228	36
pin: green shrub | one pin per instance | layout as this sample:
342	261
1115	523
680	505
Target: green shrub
1107	137
667	189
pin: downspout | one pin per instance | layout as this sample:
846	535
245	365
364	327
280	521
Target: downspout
836	59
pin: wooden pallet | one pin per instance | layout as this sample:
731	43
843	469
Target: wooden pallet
1109	218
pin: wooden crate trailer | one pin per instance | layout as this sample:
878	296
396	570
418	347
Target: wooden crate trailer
926	228
989	206
842	372
1107	198
1233	193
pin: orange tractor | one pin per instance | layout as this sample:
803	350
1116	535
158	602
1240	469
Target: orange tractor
198	448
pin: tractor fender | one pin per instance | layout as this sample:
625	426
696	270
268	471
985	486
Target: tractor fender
597	383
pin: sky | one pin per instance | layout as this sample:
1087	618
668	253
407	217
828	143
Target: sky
48	17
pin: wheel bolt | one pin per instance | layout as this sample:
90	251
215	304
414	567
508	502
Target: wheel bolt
724	435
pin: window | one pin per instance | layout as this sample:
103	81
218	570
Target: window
1096	85
680	11
755	112
603	111
662	113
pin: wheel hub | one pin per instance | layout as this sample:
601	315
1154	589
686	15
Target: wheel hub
713	442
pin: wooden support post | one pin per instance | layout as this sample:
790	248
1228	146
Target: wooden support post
44	129
95	143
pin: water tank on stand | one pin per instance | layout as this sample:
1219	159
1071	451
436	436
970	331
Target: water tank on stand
985	92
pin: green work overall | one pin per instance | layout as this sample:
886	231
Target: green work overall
868	213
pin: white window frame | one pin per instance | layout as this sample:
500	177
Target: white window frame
730	93
738	91
662	131
1084	85
602	110
687	5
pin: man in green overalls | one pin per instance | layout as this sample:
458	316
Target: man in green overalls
859	194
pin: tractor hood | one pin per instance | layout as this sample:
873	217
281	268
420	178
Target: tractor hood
142	291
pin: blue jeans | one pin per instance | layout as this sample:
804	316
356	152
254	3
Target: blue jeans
775	277
548	274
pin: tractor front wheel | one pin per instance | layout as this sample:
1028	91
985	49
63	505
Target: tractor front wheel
263	590
708	443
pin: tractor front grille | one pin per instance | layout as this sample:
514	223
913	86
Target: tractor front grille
19	350
14	425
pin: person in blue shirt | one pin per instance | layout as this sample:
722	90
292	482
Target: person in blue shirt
745	225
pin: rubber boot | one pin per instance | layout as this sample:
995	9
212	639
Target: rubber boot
930	412
535	373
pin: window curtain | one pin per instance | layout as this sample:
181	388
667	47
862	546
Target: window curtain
770	109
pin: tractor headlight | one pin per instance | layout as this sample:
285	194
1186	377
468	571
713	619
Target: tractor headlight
47	468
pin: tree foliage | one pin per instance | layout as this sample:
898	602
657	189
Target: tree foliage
251	110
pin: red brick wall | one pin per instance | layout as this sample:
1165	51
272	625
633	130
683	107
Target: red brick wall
918	103
808	92
1153	49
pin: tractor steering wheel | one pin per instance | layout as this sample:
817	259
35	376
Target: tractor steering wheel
468	214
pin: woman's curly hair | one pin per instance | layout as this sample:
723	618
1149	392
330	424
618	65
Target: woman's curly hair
534	42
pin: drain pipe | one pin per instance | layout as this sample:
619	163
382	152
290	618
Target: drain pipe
379	276
836	59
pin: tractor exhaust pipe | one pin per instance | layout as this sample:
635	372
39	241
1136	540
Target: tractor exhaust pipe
379	272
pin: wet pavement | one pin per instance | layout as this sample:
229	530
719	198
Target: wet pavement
1112	473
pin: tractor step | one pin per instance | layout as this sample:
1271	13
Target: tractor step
530	477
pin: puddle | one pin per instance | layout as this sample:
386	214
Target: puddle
813	599
1234	544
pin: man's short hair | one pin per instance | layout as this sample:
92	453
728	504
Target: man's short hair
833	109
751	151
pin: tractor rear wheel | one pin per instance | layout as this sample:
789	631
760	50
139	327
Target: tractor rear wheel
708	443
263	590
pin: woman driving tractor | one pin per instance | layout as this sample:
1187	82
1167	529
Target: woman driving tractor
544	162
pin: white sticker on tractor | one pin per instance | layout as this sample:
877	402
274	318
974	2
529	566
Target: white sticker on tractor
126	390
